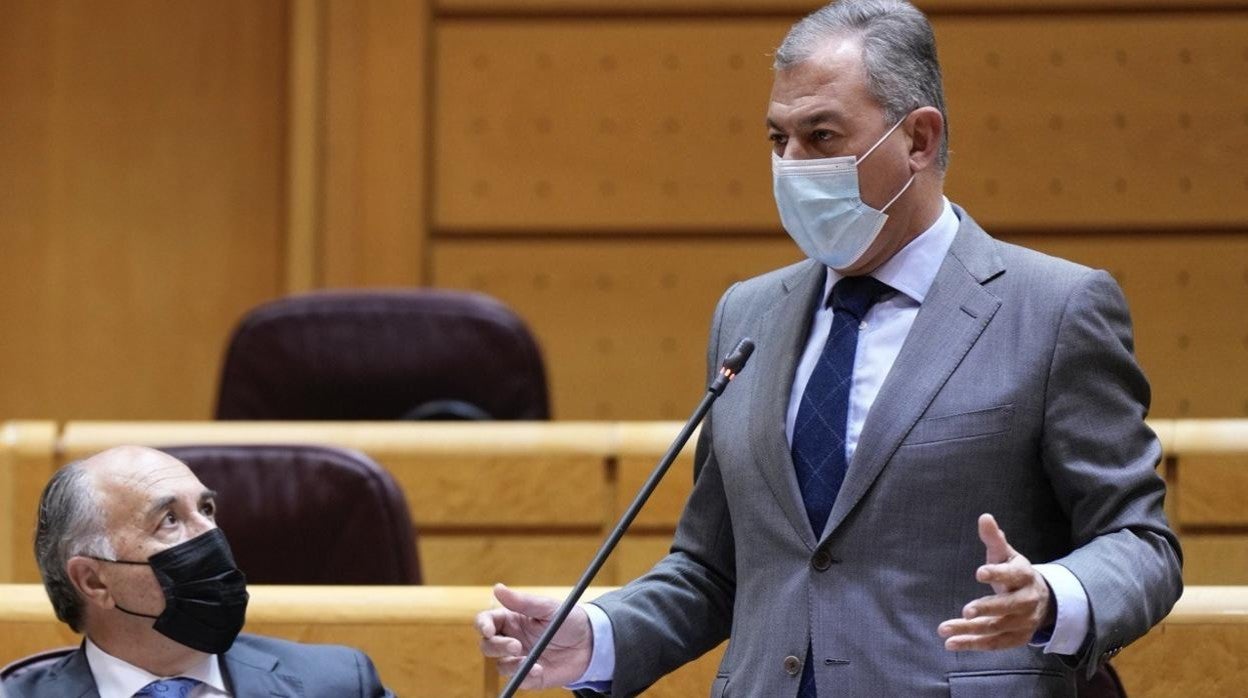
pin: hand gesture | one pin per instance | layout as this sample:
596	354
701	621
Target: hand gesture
508	633
1020	603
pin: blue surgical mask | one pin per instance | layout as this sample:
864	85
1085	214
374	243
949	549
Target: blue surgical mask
821	206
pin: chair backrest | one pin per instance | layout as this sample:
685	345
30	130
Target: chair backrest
304	514
382	355
34	662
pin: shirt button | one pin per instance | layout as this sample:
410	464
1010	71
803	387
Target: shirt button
821	560
792	665
862	325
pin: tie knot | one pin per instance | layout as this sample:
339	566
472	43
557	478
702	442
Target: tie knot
856	294
179	687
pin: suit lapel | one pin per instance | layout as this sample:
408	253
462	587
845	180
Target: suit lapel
954	313
250	672
782	334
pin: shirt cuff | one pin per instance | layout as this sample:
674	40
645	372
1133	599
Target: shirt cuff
1073	612
601	669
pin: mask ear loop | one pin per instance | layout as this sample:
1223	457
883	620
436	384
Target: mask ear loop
870	150
887	133
898	196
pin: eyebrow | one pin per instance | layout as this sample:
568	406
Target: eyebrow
814	119
165	502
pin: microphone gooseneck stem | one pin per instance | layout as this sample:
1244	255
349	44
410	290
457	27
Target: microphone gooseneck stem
733	366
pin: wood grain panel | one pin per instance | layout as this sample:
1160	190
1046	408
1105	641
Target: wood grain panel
140	199
1215	558
622	324
639	448
1099	121
26	464
376	87
1212	492
511	557
1079	121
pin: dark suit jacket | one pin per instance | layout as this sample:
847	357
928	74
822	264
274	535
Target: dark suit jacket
1015	393
254	666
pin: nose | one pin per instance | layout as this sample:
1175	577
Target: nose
794	150
199	524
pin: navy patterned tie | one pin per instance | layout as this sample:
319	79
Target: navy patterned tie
180	687
823	415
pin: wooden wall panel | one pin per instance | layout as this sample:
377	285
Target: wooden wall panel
623	324
590	127
140	199
374	178
1057	122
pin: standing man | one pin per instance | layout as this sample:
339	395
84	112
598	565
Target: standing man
934	478
131	556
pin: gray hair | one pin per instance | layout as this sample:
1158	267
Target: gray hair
898	53
71	523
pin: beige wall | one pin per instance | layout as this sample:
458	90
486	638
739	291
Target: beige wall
598	164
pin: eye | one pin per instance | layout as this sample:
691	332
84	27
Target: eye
777	138
169	519
209	509
822	135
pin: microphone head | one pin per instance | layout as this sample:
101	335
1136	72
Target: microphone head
736	360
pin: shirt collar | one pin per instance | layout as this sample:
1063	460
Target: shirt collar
913	269
115	678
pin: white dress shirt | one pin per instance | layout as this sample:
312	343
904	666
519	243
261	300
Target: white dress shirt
880	336
115	678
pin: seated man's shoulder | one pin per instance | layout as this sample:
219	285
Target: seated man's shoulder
323	670
295	654
50	678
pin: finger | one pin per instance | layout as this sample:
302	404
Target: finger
488	623
985	625
508	666
1001	641
998	549
498	647
1009	575
539	607
1025	601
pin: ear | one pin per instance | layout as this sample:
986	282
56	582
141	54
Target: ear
84	574
927	131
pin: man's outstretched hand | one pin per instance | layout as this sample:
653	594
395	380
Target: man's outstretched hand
1020	604
509	632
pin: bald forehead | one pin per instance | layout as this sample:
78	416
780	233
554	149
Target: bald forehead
128	478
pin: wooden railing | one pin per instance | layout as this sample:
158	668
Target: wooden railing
529	502
423	642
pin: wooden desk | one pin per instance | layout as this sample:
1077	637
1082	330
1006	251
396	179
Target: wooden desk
530	502
423	643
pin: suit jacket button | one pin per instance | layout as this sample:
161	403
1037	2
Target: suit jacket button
792	665
821	560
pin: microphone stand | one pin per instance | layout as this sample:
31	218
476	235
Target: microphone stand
729	369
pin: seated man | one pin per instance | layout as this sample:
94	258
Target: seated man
131	556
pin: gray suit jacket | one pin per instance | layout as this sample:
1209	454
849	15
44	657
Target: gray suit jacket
1016	393
254	666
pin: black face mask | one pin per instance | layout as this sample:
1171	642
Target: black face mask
205	593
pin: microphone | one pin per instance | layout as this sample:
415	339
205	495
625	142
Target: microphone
732	365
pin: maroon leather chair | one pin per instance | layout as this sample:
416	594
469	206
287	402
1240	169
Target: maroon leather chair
308	514
383	355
